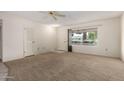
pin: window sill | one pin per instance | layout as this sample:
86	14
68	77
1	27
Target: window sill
85	44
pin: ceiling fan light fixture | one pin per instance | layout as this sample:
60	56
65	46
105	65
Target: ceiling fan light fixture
55	14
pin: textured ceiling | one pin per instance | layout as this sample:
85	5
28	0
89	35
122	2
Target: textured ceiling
71	16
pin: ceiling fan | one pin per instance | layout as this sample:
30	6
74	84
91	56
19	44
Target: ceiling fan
55	14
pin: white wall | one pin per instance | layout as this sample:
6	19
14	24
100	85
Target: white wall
108	38
122	37
0	40
45	37
62	37
13	28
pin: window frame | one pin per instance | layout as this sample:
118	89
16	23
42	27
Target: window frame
86	30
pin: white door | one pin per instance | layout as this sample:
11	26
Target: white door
62	39
28	42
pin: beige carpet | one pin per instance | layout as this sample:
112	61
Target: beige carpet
66	66
3	72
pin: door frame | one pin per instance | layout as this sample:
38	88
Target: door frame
69	46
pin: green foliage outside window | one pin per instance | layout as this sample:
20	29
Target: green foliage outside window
92	35
84	38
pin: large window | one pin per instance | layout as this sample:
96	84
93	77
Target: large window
77	38
88	37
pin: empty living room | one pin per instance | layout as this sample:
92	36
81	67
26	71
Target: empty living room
62	46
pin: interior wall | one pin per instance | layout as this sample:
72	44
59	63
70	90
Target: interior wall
109	32
62	38
45	37
122	37
1	40
12	35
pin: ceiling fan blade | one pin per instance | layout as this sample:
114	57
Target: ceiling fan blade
58	14
54	17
